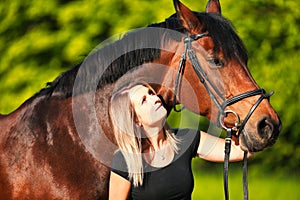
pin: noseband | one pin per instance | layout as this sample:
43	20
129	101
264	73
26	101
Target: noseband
215	94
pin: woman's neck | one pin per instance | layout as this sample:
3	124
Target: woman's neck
156	138
157	152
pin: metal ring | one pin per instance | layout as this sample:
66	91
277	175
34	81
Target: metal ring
225	113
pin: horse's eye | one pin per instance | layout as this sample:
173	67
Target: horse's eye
216	62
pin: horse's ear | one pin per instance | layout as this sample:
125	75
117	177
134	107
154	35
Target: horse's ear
213	6
187	18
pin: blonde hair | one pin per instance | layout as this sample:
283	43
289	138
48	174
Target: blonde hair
129	135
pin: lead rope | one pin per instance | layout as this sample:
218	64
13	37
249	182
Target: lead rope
227	149
245	179
226	160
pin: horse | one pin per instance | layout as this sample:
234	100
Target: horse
59	143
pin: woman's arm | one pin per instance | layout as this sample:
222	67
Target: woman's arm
119	187
211	148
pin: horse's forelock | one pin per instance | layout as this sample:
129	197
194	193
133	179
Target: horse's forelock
224	36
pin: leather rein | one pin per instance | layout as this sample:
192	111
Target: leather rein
215	94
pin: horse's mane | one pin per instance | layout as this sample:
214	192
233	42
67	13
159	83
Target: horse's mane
219	28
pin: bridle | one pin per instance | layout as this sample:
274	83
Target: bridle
215	94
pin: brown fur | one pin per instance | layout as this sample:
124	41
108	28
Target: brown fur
43	157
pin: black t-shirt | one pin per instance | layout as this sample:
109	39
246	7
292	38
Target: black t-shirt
174	181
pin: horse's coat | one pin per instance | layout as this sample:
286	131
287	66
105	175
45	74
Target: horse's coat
59	143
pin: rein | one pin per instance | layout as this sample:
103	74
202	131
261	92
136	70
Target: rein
215	94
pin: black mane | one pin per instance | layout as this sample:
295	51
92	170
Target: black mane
219	28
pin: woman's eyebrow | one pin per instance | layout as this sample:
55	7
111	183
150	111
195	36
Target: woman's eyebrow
151	91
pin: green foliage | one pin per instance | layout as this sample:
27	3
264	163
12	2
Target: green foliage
41	39
270	31
209	185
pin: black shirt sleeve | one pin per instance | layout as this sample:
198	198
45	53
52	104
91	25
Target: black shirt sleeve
190	140
196	143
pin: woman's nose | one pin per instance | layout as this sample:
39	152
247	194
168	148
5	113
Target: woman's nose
154	98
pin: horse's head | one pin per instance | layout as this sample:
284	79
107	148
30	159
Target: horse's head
222	81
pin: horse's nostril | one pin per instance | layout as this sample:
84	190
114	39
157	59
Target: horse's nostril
266	128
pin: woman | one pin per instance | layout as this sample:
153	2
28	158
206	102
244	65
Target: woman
153	161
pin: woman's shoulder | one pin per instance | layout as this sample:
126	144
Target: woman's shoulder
189	140
119	165
186	133
118	159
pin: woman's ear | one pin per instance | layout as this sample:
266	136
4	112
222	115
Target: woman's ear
138	123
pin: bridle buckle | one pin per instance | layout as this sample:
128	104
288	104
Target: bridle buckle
236	123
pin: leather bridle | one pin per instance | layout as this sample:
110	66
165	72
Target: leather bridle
215	94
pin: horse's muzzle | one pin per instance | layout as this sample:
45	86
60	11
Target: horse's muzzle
266	135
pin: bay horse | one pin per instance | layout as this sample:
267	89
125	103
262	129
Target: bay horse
59	143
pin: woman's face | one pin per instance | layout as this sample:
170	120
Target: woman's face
148	106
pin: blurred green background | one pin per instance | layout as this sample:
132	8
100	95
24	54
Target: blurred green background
41	39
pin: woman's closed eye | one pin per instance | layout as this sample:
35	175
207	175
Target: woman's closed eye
144	98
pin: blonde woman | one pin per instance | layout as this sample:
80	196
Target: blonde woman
153	161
